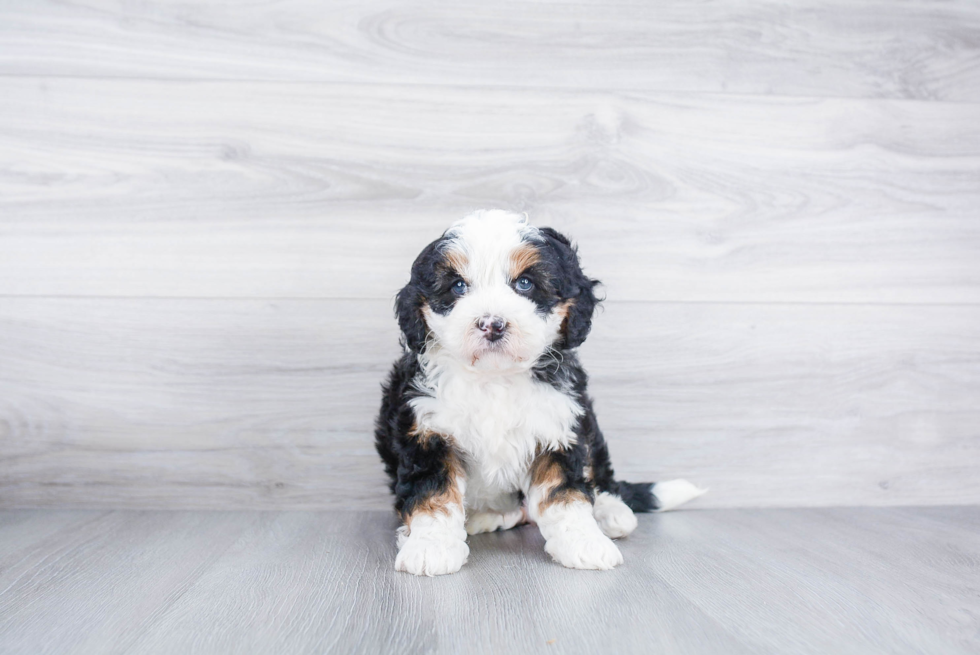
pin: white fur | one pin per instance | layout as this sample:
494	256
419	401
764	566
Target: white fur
479	522
484	396
481	393
572	536
487	239
675	493
615	519
434	544
497	421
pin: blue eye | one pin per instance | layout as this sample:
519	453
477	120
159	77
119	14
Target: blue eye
459	287
523	284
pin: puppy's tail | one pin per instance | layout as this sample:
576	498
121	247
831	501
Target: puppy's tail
657	496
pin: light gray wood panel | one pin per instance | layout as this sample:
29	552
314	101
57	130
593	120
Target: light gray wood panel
200	403
733	581
232	404
23	529
908	49
144	563
508	598
895	563
135	188
793	405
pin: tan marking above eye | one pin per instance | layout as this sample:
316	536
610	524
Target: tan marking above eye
523	258
457	261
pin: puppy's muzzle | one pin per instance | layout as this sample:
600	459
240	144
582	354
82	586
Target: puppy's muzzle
493	328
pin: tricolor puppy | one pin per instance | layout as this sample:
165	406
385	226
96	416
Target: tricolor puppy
486	421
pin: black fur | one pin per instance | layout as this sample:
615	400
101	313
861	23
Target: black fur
431	283
566	373
417	469
570	284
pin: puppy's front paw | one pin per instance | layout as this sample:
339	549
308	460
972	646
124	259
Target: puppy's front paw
431	555
584	551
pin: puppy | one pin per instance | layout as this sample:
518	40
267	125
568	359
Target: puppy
485	421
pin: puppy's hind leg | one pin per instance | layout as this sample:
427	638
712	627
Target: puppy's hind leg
565	517
614	517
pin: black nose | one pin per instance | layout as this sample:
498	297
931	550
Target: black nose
492	327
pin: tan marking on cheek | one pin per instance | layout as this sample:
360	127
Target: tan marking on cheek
562	309
522	259
457	261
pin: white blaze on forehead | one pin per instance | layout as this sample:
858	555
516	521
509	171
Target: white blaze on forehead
488	238
489	248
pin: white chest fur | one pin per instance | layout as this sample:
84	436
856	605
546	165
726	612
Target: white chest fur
497	421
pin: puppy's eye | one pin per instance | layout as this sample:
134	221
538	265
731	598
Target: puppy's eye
459	287
523	284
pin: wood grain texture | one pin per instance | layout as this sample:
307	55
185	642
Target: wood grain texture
145	562
206	208
725	581
882	48
248	403
150	188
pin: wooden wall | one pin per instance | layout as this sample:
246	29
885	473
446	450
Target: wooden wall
206	208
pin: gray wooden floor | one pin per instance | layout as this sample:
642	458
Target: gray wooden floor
871	580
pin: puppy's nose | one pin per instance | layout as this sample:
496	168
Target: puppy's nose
492	327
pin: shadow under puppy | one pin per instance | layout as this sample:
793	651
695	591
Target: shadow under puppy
485	421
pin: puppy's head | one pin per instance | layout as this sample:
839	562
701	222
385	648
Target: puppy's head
496	293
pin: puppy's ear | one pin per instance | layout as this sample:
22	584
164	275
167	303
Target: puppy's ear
574	286
408	310
411	299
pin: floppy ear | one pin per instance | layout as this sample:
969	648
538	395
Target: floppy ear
409	301
575	286
408	310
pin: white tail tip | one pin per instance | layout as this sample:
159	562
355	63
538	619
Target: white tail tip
675	493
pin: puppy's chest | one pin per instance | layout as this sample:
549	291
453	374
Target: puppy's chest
497	424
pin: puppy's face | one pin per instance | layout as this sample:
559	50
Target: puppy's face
496	294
